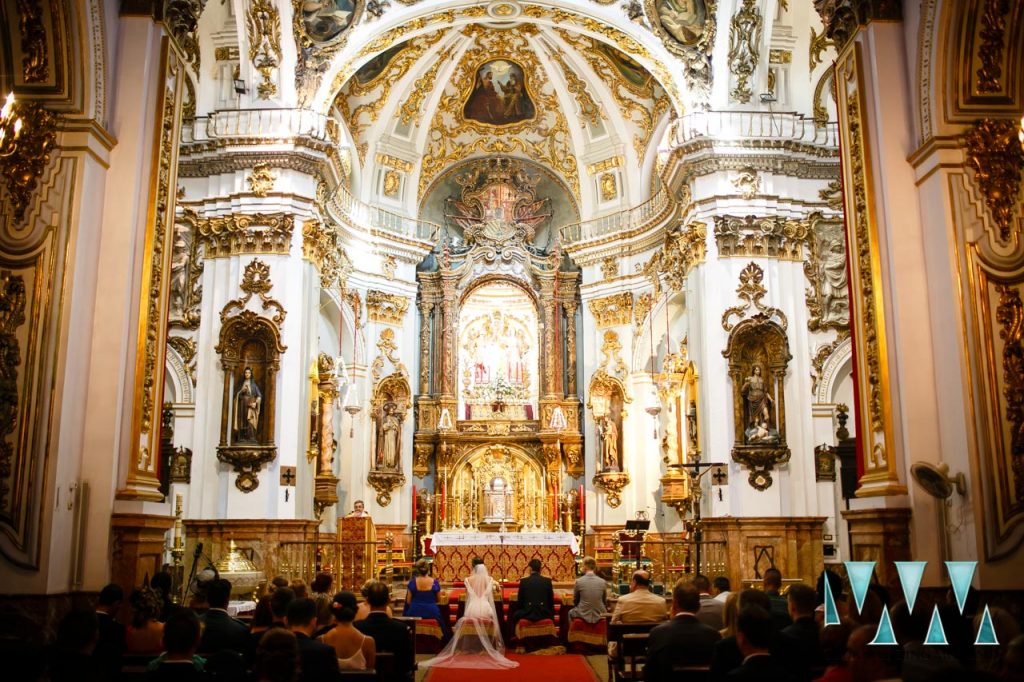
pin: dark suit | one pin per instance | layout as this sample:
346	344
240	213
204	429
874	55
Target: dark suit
727	656
319	662
110	646
683	640
758	668
780	611
221	631
805	647
536	598
389	635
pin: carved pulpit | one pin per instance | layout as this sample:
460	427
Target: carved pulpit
358	538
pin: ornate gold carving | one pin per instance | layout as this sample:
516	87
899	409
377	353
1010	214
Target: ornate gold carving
819	44
747	182
828	299
35	64
22	169
394	162
696	56
388	267
821	356
413	108
833	195
181	17
751	291
609	186
321	246
611	349
610	267
641	309
607	164
186	348
226	54
613	483
744	48
247	461
769	237
842	17
680	253
262	179
1010	316
263	25
384	482
613	310
12	316
255	280
780	57
996	157
386	308
244	233
392	182
589	111
315	57
386	346
990	53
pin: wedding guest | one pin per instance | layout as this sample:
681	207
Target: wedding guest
421	596
110	647
710	608
588	594
145	633
364	605
277	657
754	637
298	586
355	651
720	588
871	663
221	632
640	605
279	601
321	589
536	595
772	583
178	662
388	634
833	652
318	662
729	615
804	632
161	583
77	636
683	640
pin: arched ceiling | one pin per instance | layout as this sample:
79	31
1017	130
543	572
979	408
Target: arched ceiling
562	99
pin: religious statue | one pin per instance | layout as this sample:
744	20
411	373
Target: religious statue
757	405
496	500
683	19
609	433
835	293
248	401
390	438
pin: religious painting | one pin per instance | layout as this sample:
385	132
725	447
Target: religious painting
631	71
500	96
683	19
325	19
375	67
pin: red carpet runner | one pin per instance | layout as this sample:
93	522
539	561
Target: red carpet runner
564	668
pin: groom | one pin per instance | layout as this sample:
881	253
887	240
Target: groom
536	596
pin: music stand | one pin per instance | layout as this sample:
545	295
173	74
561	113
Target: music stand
635	529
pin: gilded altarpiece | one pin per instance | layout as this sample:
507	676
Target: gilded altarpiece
496	384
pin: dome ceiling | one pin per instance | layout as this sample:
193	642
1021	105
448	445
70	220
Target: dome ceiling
564	100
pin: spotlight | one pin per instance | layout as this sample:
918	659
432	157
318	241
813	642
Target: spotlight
239	86
768	97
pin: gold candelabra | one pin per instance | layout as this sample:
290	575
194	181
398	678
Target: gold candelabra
10	127
177	551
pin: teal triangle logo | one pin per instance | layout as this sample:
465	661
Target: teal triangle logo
936	633
884	635
831	612
987	631
860	573
911	573
960	574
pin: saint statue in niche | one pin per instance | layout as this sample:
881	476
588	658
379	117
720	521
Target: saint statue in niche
390	438
325	19
683	19
757	406
609	433
499	96
248	401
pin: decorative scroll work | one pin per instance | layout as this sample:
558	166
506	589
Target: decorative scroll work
744	48
322	247
262	179
612	311
182	19
263	25
386	308
35	65
23	169
688	31
246	233
186	273
387	347
990	53
997	157
12	316
1010	317
681	251
768	237
828	295
751	291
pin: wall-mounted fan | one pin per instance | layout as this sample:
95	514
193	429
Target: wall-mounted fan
935	480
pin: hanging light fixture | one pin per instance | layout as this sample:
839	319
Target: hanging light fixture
10	127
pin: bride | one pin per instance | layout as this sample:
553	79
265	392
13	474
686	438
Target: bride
476	641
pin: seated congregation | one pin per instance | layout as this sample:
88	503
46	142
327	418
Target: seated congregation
700	630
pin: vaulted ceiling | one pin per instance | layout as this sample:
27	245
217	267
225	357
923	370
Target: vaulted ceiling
567	101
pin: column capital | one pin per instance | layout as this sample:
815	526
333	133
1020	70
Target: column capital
842	18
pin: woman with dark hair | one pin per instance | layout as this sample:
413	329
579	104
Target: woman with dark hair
421	596
321	595
262	616
277	657
355	650
364	606
145	634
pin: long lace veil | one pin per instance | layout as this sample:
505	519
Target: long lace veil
476	641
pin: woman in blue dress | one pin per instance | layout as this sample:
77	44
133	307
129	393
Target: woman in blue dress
421	596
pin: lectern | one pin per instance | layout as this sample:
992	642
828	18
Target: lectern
358	540
632	538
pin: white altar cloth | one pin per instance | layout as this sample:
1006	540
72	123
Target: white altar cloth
449	539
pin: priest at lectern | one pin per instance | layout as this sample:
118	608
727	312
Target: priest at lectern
359	510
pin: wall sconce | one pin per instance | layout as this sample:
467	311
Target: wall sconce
240	88
10	127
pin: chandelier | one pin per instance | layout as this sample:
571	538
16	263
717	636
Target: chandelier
10	127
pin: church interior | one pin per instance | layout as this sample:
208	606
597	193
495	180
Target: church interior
367	289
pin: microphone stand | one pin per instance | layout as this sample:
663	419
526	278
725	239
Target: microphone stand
192	574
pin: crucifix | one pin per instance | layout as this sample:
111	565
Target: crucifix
288	476
696	470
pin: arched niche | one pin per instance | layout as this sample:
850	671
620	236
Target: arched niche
388	410
250	354
485	472
758	355
607	401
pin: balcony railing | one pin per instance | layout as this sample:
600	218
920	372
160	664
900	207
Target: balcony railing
266	125
628	220
346	208
752	125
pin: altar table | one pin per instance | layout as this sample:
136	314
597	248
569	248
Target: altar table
506	555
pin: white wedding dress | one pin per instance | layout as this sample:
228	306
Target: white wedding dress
476	641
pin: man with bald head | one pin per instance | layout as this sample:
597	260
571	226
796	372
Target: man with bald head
640	605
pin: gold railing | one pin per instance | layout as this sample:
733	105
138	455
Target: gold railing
668	560
632	219
347	208
350	562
